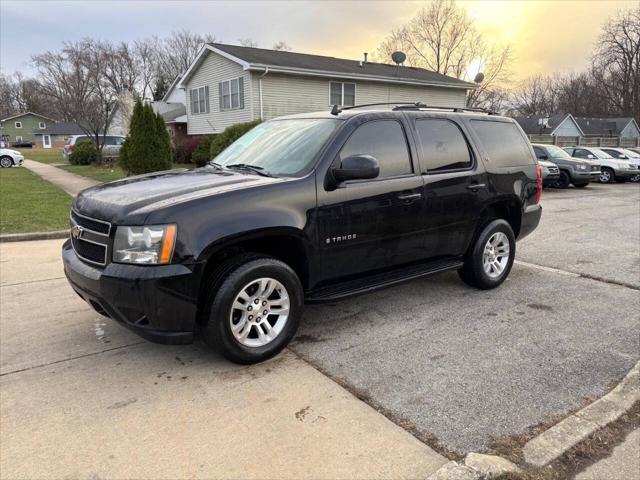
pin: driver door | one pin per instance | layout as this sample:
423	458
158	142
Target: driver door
366	225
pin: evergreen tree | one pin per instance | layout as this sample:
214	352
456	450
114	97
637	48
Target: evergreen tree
147	147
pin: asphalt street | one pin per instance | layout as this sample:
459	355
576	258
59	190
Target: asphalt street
468	366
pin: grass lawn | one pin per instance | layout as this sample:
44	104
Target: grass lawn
50	155
30	204
107	174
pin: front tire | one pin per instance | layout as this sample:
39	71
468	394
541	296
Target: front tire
564	181
6	162
607	175
237	326
490	258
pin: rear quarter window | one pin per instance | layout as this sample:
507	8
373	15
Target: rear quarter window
503	142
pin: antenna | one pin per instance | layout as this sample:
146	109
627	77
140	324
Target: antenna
398	57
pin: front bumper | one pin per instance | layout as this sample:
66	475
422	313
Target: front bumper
18	160
530	220
550	179
156	302
626	174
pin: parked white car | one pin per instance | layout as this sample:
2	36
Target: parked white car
9	158
625	154
612	169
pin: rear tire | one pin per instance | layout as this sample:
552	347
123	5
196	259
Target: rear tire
238	294
607	175
490	258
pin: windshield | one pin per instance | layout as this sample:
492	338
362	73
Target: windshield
630	153
556	152
279	147
600	153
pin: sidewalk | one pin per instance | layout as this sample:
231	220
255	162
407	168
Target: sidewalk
69	182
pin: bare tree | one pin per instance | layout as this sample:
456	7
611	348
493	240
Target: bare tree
535	96
442	38
282	45
145	52
616	61
247	42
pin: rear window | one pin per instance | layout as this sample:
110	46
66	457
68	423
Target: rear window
503	142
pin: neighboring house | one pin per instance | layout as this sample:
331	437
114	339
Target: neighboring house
228	84
56	134
609	127
560	125
23	127
173	110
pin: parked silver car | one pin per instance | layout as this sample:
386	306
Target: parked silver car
625	154
111	149
612	169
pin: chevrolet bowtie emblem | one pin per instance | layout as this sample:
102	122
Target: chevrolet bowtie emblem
76	231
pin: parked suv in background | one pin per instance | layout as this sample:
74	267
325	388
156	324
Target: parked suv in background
302	209
611	168
111	149
572	170
625	154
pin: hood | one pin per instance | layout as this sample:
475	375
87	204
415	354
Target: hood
145	193
546	163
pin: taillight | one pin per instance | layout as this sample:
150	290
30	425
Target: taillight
69	148
536	199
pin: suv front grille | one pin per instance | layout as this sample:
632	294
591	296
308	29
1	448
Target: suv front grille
554	170
90	238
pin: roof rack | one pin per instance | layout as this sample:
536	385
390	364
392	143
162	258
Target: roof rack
335	109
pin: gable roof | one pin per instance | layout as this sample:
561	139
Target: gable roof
62	128
605	126
261	59
172	87
26	113
531	125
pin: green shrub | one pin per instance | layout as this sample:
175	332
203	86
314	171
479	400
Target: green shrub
84	153
228	136
200	156
147	147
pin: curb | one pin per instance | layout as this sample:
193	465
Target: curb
556	441
23	237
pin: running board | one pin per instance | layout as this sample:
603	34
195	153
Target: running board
380	280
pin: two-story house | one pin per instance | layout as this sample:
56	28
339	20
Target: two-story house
22	128
229	84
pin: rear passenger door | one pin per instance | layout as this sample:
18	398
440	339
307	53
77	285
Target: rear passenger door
454	186
366	225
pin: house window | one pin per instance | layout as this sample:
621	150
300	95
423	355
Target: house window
231	94
18	124
200	99
343	94
18	139
41	125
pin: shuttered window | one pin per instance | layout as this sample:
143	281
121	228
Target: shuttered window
231	94
199	99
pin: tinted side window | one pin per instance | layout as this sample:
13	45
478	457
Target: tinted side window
443	146
580	153
503	142
384	140
539	152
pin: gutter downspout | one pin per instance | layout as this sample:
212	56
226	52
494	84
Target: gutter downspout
266	70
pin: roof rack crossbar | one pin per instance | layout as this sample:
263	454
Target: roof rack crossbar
336	109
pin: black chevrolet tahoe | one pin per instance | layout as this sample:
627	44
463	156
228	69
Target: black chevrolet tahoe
302	209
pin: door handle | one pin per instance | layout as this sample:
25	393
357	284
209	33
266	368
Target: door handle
409	196
474	187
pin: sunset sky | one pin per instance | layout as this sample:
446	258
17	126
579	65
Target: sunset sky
546	36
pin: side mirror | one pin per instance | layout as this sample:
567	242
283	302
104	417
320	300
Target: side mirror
357	167
591	156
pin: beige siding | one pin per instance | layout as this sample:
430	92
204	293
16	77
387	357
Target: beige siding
212	70
289	94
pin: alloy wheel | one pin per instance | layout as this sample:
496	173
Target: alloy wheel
605	176
259	312
5	162
496	255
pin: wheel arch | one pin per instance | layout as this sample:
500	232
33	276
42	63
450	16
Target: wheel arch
508	209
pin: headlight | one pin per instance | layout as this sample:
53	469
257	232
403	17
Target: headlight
149	245
582	166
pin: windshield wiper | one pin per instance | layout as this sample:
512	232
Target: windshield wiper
251	168
215	165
